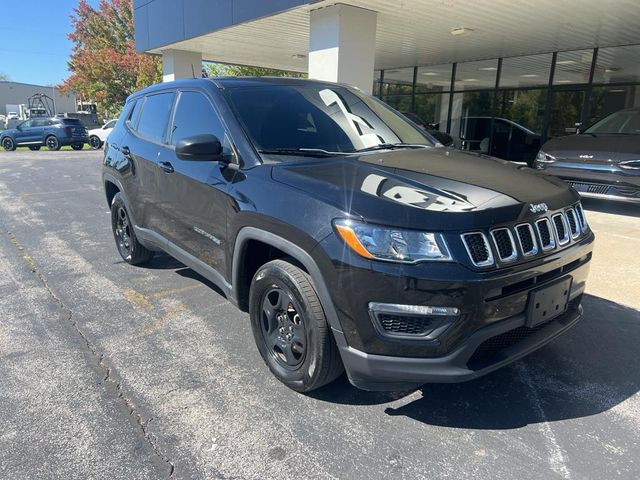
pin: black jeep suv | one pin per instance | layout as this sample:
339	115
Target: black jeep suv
352	241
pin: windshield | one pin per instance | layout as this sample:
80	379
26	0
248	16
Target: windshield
623	122
319	119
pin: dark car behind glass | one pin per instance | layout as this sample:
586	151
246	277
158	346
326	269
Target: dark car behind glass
351	239
42	131
603	161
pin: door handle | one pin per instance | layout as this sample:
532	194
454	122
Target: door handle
166	167
125	151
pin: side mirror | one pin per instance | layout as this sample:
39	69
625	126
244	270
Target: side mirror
204	147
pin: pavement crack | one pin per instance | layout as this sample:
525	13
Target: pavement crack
109	379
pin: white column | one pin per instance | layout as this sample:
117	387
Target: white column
342	45
180	64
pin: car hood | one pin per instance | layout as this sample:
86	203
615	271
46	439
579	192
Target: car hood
586	148
434	188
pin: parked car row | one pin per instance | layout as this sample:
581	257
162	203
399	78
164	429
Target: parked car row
603	161
54	133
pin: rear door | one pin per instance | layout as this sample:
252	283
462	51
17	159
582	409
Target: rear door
144	147
193	194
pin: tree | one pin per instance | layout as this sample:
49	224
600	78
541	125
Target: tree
3	77
104	64
224	70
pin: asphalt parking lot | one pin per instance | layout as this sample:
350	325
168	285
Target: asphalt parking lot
112	371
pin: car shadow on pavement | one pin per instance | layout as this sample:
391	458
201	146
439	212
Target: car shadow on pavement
589	370
611	207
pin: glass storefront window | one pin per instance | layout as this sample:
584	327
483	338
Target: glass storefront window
398	81
434	78
433	110
524	107
476	75
518	124
618	65
573	67
529	71
471	120
401	103
565	112
608	99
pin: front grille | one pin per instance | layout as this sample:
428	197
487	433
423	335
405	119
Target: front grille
488	352
406	325
544	234
560	227
488	349
583	220
527	239
596	188
546	237
504	244
478	248
574	228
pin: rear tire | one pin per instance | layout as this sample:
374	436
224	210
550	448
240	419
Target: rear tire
291	329
8	144
52	143
77	146
94	142
131	251
34	148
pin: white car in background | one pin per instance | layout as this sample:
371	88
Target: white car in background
98	136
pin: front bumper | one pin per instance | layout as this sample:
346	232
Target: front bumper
608	182
489	333
483	352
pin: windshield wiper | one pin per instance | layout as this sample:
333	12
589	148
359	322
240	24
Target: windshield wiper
393	146
303	152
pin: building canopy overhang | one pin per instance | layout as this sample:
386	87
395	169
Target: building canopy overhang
276	34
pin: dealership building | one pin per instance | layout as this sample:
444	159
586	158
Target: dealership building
494	74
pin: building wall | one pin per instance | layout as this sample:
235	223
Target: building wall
161	22
14	93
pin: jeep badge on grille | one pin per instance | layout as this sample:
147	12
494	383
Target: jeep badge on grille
538	207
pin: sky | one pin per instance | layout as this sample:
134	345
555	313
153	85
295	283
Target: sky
34	46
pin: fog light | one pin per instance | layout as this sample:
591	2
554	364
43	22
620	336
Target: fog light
411	321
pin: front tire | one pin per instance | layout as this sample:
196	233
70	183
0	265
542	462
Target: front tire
131	251
53	143
94	142
8	144
290	327
77	146
34	148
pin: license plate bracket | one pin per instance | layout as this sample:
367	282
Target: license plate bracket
548	302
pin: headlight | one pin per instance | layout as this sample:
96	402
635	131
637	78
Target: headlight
392	244
544	157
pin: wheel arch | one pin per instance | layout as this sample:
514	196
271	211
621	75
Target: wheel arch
240	291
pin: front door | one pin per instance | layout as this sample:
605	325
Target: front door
193	194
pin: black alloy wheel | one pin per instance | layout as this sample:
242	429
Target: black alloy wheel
283	330
53	143
290	327
129	248
34	148
8	144
77	146
94	142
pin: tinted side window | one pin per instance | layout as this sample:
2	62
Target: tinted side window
26	124
195	115
134	115
155	116
38	122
